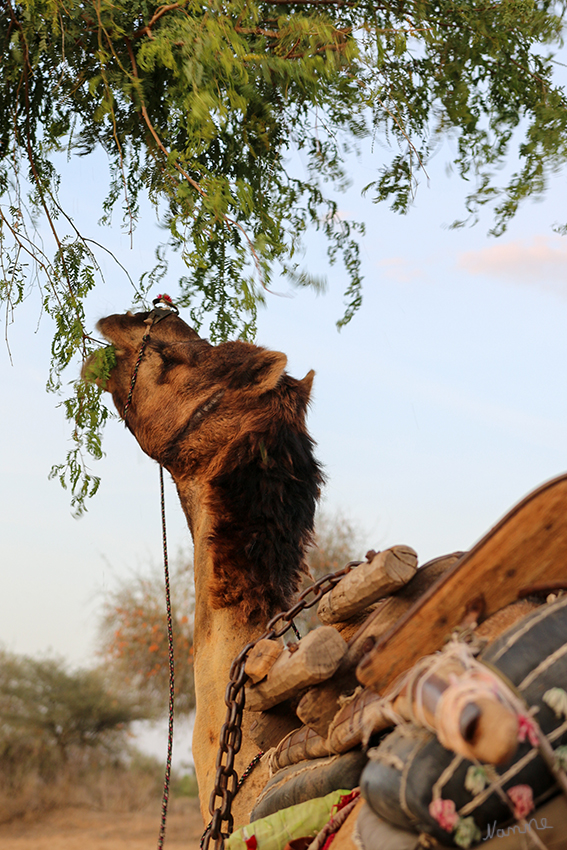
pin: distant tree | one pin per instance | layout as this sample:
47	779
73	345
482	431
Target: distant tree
47	712
201	106
133	627
338	540
133	638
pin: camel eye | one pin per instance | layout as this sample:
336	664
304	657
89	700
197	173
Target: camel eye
167	361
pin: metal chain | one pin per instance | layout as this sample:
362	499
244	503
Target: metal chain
226	779
241	781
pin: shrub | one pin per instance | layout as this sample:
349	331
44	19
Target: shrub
61	732
134	643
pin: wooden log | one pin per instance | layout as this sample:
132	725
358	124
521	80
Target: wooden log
268	728
474	724
320	704
489	732
261	659
365	584
353	725
358	719
525	547
313	659
462	707
303	743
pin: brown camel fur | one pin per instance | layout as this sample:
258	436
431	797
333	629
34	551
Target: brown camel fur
229	424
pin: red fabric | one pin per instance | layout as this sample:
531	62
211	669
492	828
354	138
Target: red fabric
344	801
251	843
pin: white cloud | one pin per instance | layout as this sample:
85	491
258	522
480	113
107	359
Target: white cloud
541	261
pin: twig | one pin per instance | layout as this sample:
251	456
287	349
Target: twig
196	186
405	135
147	30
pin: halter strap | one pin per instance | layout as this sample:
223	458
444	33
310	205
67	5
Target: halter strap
163	307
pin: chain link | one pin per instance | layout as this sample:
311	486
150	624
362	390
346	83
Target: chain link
230	737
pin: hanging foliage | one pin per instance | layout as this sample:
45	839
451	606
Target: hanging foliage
198	107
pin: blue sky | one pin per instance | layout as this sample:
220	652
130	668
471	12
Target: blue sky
439	407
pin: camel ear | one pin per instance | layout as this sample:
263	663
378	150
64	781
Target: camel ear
304	391
267	369
306	384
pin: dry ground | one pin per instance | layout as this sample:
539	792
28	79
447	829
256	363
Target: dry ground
77	828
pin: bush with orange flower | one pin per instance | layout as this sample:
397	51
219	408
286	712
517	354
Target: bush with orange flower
133	636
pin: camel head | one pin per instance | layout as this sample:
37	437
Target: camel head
185	387
231	419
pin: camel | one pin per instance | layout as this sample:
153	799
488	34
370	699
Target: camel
228	423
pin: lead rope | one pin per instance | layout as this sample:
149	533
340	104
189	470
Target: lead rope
156	315
167	778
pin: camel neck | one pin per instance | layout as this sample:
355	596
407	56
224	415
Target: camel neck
219	635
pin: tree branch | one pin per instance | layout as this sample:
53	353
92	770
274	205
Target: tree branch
147	30
228	221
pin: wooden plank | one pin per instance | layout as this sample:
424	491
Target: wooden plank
387	572
528	546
